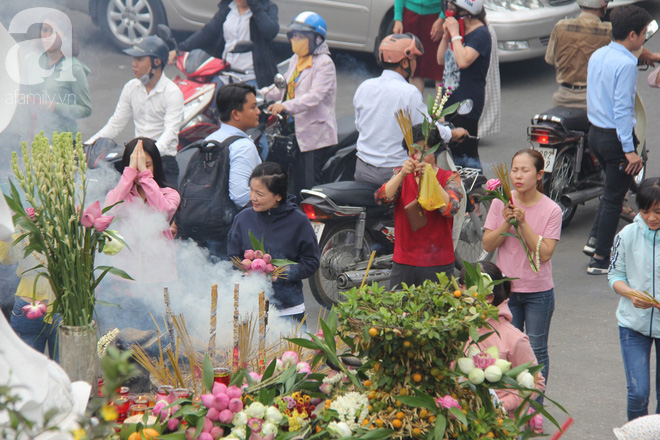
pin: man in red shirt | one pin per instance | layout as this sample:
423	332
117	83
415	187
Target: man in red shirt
419	255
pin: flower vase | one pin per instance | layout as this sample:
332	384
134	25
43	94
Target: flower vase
78	353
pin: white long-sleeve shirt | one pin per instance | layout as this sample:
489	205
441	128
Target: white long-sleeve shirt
156	115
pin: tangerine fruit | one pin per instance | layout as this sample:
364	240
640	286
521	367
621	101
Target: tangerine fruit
396	423
407	344
457	293
379	423
416	432
431	419
367	383
373	332
423	414
417	377
400	415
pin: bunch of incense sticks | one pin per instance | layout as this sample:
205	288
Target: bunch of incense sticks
644	296
405	124
262	332
214	310
168	317
501	170
235	353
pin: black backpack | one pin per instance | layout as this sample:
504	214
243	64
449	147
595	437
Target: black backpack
206	212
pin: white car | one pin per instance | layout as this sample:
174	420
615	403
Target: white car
523	26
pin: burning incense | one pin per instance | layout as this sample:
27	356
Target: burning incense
235	356
405	124
501	170
262	332
168	317
214	310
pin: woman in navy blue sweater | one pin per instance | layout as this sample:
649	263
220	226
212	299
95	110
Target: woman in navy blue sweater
286	233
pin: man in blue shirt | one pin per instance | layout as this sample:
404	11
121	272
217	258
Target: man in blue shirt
612	80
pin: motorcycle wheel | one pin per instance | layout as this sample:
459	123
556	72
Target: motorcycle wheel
557	184
470	243
337	255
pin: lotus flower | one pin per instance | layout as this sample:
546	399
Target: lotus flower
493	373
248	254
258	265
493	184
208	424
255	424
256	410
219	388
483	360
112	246
326	388
246	264
503	365
31	213
466	365
255	376
34	311
290	358
217	432
220	401
258	254
93	217
172	424
526	380
213	414
235	405
447	402
226	417
303	367
476	376
273	415
190	433
205	436
234	392
339	429
267	258
270	268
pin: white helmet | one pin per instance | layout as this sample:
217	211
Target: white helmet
474	7
593	4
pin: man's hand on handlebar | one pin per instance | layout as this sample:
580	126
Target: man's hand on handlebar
459	134
276	109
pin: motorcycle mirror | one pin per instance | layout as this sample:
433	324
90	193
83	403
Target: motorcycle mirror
280	81
242	46
651	29
465	107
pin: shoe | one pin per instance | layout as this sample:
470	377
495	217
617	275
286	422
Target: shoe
590	247
598	266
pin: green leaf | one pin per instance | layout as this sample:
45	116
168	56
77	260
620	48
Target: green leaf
449	110
115	271
270	369
431	150
238	378
329	337
281	262
207	373
440	426
256	244
459	415
425	128
430	100
305	343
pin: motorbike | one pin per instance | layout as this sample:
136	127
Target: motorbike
573	174
350	225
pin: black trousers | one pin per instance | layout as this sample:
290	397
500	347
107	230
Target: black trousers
306	171
466	153
403	273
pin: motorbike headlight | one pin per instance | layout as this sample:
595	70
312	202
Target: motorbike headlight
513	5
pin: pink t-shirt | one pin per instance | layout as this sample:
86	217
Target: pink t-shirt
545	220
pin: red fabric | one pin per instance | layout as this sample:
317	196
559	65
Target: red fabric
429	246
420	25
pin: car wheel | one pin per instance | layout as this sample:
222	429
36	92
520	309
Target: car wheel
126	21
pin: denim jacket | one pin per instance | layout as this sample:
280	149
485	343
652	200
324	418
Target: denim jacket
635	259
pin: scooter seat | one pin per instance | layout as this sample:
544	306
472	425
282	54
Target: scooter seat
349	193
574	119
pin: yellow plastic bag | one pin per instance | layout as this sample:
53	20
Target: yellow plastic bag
430	193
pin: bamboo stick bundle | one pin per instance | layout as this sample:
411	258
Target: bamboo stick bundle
644	296
193	355
168	317
501	170
235	354
404	119
214	311
246	340
262	333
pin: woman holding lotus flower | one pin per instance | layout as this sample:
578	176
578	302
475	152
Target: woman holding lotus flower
525	232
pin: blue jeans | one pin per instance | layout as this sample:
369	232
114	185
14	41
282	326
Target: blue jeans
636	351
532	313
35	332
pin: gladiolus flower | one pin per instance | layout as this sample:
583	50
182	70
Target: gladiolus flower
31	213
290	358
226	417
493	184
235	405
93	217
249	254
493	373
34	311
447	402
476	376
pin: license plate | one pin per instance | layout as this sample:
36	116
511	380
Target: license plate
549	155
318	230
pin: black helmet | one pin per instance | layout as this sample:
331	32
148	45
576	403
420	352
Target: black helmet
151	46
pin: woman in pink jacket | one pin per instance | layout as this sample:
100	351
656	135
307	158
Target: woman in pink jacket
512	344
310	98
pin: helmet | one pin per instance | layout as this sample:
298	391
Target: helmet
474	7
309	22
396	47
151	46
593	4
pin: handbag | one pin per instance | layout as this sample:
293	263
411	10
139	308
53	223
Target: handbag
416	215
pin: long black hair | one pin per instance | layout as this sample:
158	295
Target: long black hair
274	177
151	149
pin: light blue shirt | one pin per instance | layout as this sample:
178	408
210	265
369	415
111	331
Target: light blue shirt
243	157
611	88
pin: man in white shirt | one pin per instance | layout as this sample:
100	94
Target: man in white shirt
376	101
153	102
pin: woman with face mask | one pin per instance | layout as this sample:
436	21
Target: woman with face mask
309	97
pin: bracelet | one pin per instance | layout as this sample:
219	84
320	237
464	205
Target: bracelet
457	37
537	259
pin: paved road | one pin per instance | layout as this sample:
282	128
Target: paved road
586	373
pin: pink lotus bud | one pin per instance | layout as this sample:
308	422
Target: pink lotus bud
31	213
258	265
34	311
217	432
172	424
213	414
190	433
102	223
303	367
255	376
220	402
270	268
233	392
267	258
493	184
290	358
90	214
219	388
205	436
208	400
326	388
258	254
246	264
249	254
279	365
226	417
208	424
159	409
235	405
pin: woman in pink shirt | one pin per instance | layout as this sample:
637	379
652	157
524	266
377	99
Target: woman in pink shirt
539	218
